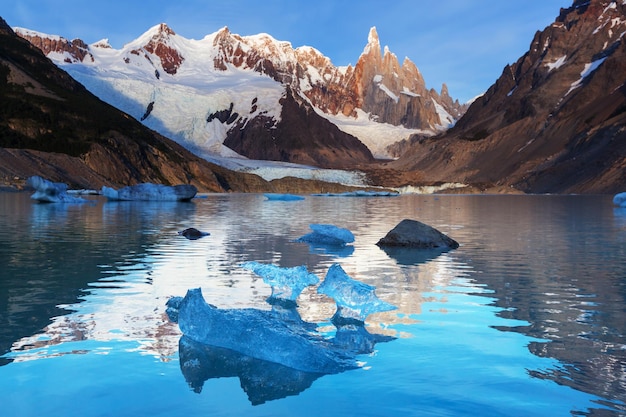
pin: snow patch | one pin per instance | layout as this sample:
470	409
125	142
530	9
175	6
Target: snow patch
588	70
556	64
375	135
445	119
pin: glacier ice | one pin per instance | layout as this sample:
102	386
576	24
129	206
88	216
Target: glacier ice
327	234
283	197
355	300
51	192
620	200
286	283
151	192
273	353
259	334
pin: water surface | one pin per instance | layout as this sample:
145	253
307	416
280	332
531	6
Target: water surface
526	317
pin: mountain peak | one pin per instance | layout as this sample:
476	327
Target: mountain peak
372	37
162	29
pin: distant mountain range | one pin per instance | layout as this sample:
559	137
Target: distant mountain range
51	126
554	121
255	96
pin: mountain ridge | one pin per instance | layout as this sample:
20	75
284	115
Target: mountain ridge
378	89
51	126
554	121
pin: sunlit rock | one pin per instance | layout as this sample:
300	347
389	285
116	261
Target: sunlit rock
327	234
355	300
51	192
415	234
620	200
151	192
286	283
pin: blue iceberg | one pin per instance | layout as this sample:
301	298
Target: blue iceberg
258	334
51	192
620	200
151	192
327	234
274	353
355	300
283	197
286	283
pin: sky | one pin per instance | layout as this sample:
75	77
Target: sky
462	43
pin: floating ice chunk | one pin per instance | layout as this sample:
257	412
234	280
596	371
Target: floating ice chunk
283	197
51	192
620	200
355	300
286	283
327	234
258	334
151	192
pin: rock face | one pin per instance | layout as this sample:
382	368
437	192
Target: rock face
300	136
414	234
553	122
310	88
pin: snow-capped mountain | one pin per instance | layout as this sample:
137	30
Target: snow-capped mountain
554	121
255	96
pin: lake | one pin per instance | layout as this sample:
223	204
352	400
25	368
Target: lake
526	318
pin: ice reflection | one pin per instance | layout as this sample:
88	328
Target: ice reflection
536	281
273	353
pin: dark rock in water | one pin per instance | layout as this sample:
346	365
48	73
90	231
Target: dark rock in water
415	234
193	233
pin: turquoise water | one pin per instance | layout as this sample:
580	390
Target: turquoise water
526	318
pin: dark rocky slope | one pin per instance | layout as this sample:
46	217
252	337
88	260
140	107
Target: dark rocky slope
554	121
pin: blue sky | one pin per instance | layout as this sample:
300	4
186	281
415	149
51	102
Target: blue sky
463	43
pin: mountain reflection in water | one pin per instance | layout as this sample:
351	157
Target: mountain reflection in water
549	270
